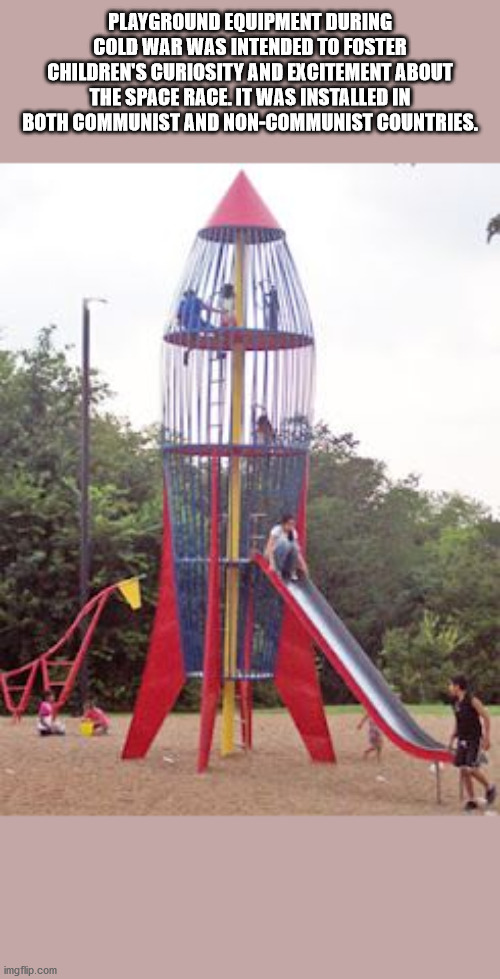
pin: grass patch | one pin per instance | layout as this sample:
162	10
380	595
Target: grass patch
435	710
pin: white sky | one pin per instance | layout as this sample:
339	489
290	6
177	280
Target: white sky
402	287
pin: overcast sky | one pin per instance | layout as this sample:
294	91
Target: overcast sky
403	290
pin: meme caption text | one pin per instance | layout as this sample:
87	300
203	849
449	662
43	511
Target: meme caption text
249	72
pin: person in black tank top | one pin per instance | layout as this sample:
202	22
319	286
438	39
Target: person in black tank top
472	735
468	724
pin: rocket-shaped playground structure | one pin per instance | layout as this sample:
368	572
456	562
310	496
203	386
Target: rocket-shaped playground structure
238	383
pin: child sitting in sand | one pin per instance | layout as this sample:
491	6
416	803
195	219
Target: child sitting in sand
47	721
99	719
375	740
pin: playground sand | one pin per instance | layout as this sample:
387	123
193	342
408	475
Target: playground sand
85	776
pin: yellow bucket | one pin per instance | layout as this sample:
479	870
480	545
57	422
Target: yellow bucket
87	728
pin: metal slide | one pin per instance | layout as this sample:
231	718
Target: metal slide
348	659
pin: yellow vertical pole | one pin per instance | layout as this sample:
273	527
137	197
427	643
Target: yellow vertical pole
234	517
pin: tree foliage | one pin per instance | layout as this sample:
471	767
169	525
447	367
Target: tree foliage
418	662
39	512
416	576
392	558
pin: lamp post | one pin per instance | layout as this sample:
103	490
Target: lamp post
84	477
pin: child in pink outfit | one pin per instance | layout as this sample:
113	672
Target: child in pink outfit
99	719
47	720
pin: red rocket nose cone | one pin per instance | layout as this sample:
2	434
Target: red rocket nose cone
241	207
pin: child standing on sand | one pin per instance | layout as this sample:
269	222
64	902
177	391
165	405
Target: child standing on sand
375	740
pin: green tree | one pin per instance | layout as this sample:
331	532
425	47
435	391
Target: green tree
384	553
401	566
39	511
418	662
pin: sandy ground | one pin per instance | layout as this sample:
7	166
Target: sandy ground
83	776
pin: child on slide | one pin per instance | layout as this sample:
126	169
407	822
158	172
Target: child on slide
283	550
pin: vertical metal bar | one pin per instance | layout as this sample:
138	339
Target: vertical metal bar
84	488
234	517
438	783
84	482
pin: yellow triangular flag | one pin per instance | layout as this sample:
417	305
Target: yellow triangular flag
131	591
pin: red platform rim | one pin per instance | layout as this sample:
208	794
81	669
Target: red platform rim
242	337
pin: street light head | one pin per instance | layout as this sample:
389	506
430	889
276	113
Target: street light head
94	299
